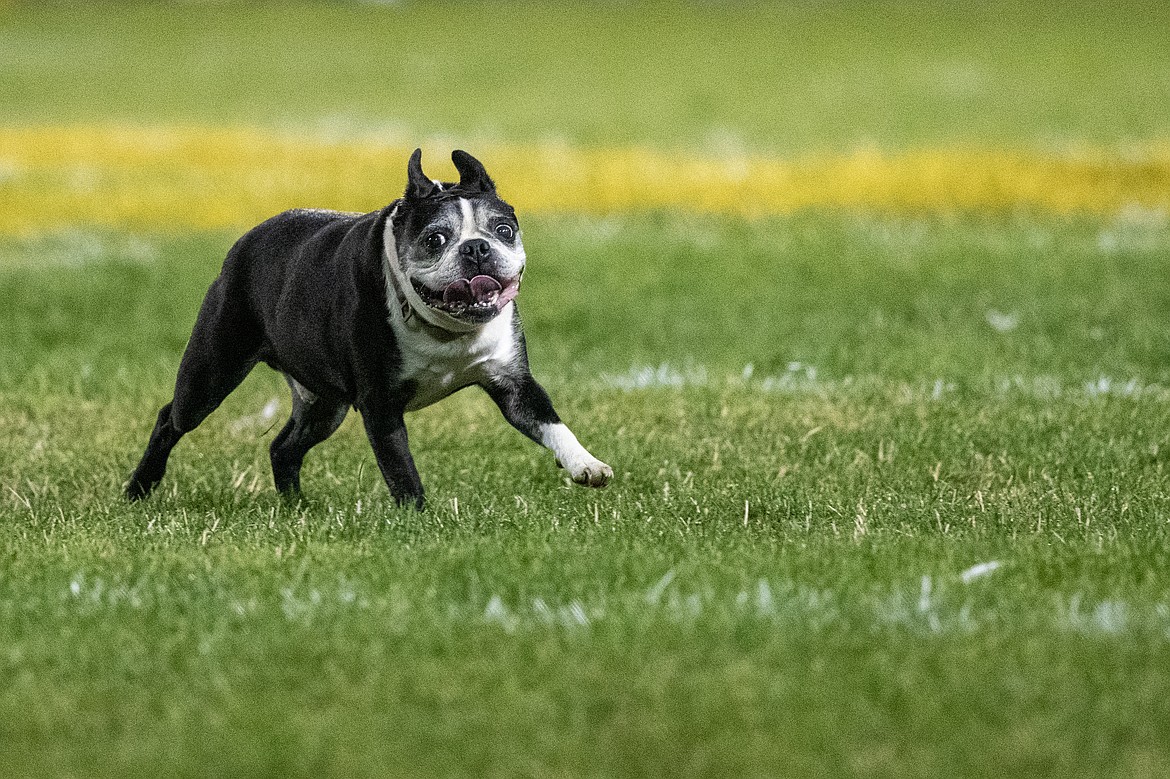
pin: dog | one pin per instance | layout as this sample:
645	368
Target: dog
385	312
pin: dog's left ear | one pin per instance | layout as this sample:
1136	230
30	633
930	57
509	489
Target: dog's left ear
472	175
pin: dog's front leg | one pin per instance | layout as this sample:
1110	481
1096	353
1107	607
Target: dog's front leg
527	408
387	433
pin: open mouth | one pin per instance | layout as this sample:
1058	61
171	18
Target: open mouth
476	299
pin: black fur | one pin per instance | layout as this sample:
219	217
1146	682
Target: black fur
305	293
418	186
472	176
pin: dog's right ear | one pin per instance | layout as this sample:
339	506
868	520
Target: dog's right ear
418	186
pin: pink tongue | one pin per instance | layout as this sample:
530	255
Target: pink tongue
475	291
482	286
457	292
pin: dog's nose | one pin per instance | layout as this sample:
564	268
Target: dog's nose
477	249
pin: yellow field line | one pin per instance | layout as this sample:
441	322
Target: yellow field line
208	177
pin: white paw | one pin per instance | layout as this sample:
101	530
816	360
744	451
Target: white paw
590	473
583	467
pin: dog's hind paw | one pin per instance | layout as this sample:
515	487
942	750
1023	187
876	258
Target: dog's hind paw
136	490
409	499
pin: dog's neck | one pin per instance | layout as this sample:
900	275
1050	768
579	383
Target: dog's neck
405	304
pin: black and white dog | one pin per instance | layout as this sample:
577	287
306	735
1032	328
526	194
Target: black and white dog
386	312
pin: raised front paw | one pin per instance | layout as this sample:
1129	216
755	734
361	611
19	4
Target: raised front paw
590	473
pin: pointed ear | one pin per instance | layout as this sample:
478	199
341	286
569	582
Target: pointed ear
417	184
472	175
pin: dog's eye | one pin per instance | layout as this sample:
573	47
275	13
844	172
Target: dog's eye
505	231
435	241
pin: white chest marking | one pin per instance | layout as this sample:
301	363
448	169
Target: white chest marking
439	367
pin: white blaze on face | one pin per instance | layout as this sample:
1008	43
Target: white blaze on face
583	467
467	229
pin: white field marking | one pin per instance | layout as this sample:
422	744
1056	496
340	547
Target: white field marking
542	611
796	377
793	604
576	614
663	375
765	603
97	594
74	247
571	616
925	587
654	594
1109	616
1001	322
496	612
495	609
1105	385
980	570
801	379
263	418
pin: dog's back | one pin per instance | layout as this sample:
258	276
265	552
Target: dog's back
282	256
307	277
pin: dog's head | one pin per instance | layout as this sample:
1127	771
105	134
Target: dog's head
457	247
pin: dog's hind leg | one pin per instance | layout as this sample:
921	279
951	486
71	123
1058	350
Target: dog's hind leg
221	353
313	420
154	461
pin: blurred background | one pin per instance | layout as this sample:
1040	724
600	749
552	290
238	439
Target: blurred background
778	78
651	149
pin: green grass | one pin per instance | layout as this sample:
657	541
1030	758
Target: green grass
849	296
524	625
818	423
774	77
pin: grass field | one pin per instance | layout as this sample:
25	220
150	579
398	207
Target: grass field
892	490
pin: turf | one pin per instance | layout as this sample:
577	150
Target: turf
773	77
892	491
772	584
